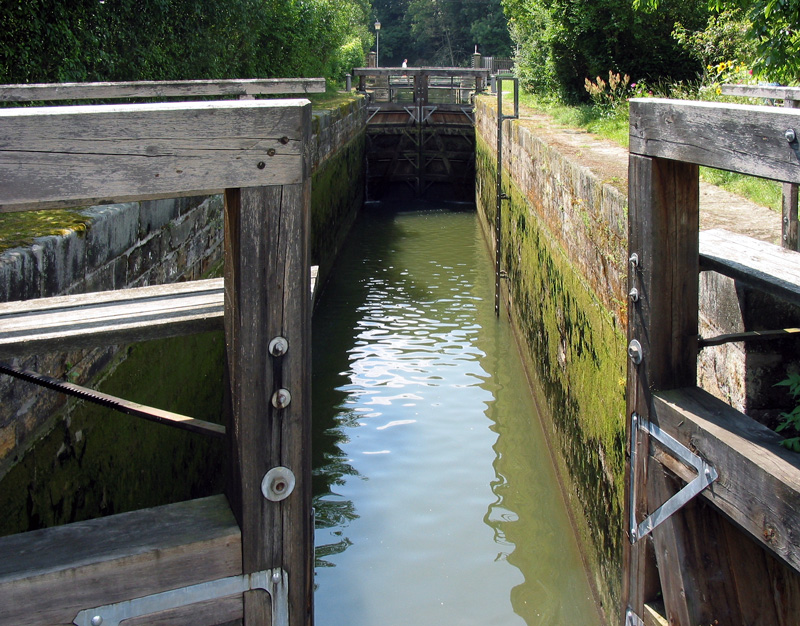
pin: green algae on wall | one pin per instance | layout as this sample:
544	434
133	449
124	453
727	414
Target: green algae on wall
577	353
337	192
99	462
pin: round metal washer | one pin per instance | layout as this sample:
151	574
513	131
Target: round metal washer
278	484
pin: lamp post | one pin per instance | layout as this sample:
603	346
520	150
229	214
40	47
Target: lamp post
377	43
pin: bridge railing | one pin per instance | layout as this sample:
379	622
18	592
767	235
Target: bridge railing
421	86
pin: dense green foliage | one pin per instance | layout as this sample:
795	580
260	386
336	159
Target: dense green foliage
83	40
440	32
772	28
563	42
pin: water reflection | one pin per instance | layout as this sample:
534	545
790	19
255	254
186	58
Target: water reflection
436	500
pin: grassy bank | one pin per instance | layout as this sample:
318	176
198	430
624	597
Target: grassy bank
613	125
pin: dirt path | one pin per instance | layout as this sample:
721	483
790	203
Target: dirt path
718	208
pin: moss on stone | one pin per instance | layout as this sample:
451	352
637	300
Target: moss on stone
98	462
337	191
20	229
577	354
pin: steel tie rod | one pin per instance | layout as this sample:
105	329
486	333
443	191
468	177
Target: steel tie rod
118	404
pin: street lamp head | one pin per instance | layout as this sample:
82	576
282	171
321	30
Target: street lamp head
377	25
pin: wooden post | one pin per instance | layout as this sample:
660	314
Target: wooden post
663	236
267	296
789	222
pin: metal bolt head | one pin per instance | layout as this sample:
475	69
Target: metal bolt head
271	152
278	346
276	577
261	165
281	398
790	135
635	352
97	620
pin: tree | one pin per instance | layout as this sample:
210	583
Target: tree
563	42
773	29
80	40
440	32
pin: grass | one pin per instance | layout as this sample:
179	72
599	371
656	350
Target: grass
613	125
20	229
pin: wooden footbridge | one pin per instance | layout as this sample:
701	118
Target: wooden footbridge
420	129
247	554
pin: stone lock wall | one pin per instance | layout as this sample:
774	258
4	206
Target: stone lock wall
564	248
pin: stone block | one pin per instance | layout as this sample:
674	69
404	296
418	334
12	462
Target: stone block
19	275
114	229
156	214
63	262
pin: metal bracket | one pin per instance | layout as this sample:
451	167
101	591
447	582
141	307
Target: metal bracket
412	113
706	475
273	581
631	619
427	111
372	111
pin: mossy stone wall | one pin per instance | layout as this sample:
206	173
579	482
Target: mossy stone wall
563	248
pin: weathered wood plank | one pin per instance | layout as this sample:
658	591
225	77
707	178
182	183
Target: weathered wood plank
159	89
759	482
267	245
58	156
758	264
111	317
663	223
740	138
654	614
267	295
48	576
761	91
693	559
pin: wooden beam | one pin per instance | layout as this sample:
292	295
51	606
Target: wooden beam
67	156
111	317
759	480
267	245
47	576
739	138
757	264
159	89
662	234
124	316
267	295
761	91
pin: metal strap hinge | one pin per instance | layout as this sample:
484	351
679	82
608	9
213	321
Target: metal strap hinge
706	475
273	581
631	619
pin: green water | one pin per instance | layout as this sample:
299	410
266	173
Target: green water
436	498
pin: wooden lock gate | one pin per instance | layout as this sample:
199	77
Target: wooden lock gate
247	554
732	556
